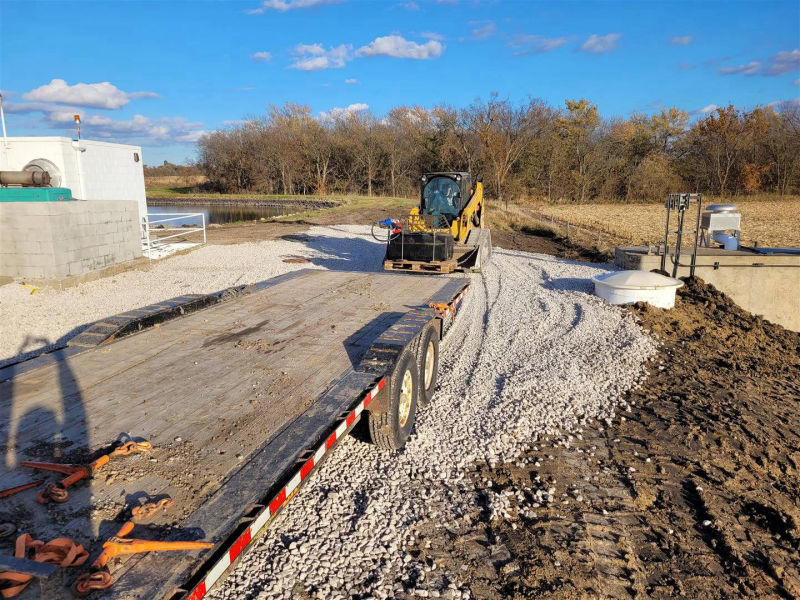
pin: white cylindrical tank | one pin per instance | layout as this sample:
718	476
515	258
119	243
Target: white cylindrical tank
628	287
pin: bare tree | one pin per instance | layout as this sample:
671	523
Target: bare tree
523	149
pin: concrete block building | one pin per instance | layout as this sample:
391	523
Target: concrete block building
99	225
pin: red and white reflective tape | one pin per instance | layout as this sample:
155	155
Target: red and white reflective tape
282	497
460	297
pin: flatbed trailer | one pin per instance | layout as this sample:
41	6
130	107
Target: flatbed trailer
241	393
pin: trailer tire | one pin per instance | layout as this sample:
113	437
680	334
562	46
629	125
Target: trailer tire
390	429
428	363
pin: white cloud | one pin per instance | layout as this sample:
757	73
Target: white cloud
397	46
784	62
351	80
314	57
536	44
681	40
338	113
598	44
138	129
707	109
29	107
261	56
781	105
163	130
192	137
432	35
91	95
314	49
408	5
485	31
751	68
284	5
781	63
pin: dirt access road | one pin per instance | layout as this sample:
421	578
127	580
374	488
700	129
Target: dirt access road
694	491
277	229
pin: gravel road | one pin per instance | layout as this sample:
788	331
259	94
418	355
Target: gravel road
532	353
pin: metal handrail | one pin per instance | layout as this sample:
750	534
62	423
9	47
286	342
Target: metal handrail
150	242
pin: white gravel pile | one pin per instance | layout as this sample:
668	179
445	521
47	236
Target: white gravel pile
48	317
532	353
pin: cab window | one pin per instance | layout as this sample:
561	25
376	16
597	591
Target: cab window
441	196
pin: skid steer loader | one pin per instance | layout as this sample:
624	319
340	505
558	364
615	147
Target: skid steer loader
445	233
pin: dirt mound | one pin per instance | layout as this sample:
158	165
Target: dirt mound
693	492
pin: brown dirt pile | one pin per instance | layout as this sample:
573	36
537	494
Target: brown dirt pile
693	492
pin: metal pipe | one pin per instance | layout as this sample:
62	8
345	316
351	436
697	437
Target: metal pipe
666	240
696	234
717	265
3	119
730	242
25	178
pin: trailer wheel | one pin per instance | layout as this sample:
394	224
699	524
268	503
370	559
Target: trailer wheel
390	429
428	363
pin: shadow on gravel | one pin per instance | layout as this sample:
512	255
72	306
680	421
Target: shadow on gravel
570	284
343	253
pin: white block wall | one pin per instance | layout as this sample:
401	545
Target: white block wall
53	240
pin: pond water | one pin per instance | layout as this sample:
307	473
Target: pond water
216	213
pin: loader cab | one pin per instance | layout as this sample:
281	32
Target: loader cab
444	194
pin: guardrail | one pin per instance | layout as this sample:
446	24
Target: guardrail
151	242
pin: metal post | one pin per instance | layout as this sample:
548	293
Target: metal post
433	252
666	239
696	235
677	256
403	240
203	221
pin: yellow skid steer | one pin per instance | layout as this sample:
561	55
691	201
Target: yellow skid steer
445	233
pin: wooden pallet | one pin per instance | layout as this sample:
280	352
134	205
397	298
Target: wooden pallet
435	266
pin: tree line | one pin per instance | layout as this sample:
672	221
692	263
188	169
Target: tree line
168	169
522	150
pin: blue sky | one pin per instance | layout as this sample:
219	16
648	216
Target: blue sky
158	74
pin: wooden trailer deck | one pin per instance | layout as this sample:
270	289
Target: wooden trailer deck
228	395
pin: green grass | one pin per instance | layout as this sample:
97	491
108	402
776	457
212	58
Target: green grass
348	204
192	194
342	203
